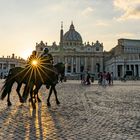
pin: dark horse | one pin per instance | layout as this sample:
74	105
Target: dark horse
39	77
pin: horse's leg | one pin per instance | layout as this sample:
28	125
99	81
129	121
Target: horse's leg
39	100
36	93
48	100
31	96
55	93
18	91
25	93
8	100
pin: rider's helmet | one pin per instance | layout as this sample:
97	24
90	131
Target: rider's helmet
46	50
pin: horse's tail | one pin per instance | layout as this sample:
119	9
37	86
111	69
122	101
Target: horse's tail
8	83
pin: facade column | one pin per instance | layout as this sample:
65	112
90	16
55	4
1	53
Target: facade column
130	67
71	64
92	71
123	73
116	70
2	67
66	66
134	70
8	66
78	64
101	64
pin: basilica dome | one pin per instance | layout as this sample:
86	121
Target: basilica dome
72	35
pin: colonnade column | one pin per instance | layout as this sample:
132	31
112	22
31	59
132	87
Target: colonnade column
85	68
134	70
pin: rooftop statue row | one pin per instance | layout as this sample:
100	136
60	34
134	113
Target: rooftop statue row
69	44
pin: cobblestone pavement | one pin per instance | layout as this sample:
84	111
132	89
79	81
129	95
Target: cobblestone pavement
85	113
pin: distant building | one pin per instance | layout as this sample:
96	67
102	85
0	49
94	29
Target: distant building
78	56
9	62
124	58
81	57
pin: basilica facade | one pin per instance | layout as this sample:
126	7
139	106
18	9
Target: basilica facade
80	57
77	56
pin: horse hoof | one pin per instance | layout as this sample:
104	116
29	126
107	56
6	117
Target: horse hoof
39	100
48	104
57	102
29	100
34	107
9	104
21	100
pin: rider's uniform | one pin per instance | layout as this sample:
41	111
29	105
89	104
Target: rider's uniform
31	58
47	59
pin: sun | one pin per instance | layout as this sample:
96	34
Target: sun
35	62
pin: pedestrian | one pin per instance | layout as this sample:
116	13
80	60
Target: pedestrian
88	79
109	78
100	78
104	76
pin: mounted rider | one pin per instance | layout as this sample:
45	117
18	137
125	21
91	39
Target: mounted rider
32	56
47	57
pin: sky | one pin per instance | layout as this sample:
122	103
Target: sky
23	23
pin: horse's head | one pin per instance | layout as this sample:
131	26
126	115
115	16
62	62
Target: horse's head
60	67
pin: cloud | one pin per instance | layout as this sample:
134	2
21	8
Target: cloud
102	24
129	9
87	11
124	35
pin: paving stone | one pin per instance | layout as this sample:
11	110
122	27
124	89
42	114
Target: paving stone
85	113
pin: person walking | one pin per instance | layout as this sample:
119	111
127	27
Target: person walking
104	76
88	79
108	78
